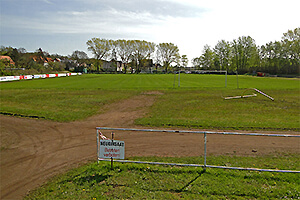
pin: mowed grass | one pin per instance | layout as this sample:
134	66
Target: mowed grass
152	82
196	103
142	181
207	109
58	104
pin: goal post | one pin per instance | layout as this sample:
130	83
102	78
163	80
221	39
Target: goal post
198	72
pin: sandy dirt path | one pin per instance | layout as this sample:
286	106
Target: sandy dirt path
35	150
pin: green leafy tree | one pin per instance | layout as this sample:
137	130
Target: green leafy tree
141	50
222	52
244	53
272	57
281	57
81	59
291	44
207	58
40	56
6	50
125	50
101	48
79	55
196	62
24	61
15	56
57	66
167	53
184	61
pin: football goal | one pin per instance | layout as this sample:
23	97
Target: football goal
199	72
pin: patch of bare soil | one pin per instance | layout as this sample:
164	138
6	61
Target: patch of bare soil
33	150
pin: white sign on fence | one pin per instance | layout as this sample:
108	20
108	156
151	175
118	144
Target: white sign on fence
112	149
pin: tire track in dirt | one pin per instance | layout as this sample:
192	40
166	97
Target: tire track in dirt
48	148
47	173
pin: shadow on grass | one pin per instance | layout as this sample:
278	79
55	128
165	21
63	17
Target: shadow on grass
189	183
180	190
92	179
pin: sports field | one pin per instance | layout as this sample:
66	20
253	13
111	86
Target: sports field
66	111
198	102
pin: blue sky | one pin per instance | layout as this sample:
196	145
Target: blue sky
63	26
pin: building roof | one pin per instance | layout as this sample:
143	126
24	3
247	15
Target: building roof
7	58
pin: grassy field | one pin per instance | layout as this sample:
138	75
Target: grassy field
140	181
61	105
196	103
206	109
152	82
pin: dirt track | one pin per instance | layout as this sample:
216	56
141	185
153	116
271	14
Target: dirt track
35	150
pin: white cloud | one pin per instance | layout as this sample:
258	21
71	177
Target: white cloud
47	1
190	24
264	21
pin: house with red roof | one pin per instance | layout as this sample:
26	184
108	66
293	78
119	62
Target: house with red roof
8	59
45	60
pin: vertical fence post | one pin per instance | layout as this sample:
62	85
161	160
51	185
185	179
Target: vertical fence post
112	160
179	79
226	78
205	140
174	80
237	80
98	146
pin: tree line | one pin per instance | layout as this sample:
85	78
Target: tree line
39	61
136	54
241	55
244	56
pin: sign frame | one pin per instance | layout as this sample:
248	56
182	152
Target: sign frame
111	149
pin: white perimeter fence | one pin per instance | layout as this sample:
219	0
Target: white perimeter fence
36	76
204	166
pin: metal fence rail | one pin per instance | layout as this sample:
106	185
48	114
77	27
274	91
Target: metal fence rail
200	132
205	141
